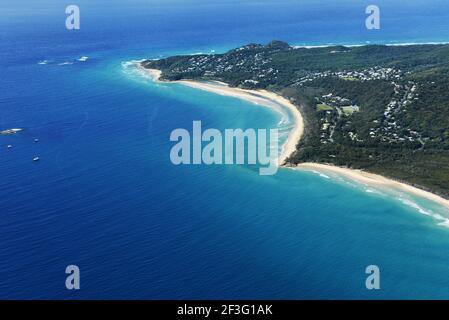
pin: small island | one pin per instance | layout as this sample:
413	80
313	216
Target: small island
377	108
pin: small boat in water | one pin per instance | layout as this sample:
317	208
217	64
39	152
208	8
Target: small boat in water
36	159
9	146
36	140
10	131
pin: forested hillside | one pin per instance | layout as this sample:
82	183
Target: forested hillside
384	109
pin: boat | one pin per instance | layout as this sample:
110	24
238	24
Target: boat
36	159
10	131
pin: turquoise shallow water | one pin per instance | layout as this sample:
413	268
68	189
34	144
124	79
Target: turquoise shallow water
106	197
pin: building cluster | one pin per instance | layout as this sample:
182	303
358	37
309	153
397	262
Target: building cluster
255	66
388	129
334	109
369	74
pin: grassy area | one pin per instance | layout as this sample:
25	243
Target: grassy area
348	110
323	107
351	79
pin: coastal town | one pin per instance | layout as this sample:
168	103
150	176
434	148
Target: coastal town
387	128
374	107
257	69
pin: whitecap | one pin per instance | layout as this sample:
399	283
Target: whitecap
322	175
439	217
445	223
127	64
430	213
374	191
283	121
414	205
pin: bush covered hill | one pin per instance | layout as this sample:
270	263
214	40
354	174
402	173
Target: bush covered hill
384	109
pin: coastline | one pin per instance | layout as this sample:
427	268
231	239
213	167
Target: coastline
355	45
371	179
295	135
260	97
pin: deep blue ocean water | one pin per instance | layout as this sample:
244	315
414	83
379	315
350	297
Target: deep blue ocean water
106	198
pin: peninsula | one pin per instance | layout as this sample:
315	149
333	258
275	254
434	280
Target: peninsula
381	110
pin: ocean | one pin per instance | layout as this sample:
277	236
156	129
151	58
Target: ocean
105	196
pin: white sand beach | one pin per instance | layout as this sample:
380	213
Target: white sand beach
371	179
263	97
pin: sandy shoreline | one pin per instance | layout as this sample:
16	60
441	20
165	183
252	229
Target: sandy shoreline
371	179
262	96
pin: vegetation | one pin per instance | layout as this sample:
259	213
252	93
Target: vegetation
323	107
384	109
